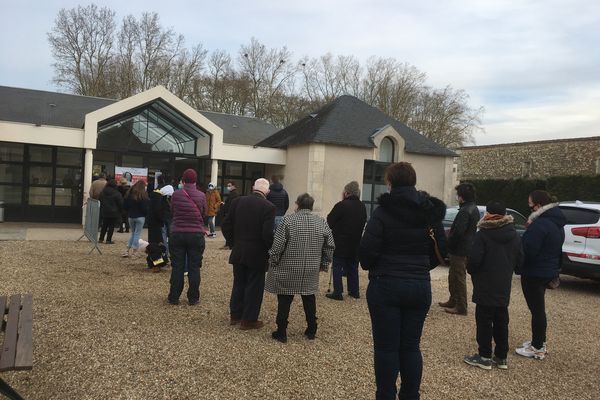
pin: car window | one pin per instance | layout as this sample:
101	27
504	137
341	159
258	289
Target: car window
518	218
451	214
580	216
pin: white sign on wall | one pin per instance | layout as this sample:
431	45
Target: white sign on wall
131	174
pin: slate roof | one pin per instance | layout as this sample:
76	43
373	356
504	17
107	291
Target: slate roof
238	129
47	108
69	110
348	121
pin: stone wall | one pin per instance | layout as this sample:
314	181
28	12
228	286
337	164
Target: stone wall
535	160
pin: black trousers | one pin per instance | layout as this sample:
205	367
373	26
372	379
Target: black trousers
492	322
534	290
309	303
246	293
186	246
108	227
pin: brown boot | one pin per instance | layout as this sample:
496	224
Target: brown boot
455	311
234	321
247	325
448	304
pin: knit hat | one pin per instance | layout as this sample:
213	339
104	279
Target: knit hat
189	176
495	207
352	188
262	185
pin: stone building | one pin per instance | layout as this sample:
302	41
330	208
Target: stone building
535	160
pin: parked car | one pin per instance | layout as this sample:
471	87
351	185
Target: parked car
451	212
581	249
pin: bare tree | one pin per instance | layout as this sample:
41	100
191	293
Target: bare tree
326	77
445	117
82	41
269	72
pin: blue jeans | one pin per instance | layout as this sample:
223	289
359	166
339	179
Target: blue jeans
350	266
164	231
211	224
184	245
398	308
276	222
136	225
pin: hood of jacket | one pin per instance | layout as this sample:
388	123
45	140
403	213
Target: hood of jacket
401	198
499	230
550	211
276	187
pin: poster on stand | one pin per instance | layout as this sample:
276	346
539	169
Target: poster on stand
131	174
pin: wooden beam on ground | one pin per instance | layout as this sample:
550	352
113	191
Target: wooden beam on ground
9	347
24	356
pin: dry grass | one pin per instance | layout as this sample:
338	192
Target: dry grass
103	330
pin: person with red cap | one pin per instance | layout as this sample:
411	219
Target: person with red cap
248	227
186	240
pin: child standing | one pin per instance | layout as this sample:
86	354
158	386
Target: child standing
496	253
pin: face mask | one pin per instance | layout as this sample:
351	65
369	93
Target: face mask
226	190
180	186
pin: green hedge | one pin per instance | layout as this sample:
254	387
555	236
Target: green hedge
514	192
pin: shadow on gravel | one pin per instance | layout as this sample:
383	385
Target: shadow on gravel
586	286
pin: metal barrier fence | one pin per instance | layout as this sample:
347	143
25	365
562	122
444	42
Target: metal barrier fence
92	221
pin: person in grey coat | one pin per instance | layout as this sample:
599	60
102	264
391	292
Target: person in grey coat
303	246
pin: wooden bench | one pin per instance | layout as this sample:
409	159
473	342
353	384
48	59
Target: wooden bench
17	344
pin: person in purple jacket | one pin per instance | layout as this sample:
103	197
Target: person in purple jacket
186	239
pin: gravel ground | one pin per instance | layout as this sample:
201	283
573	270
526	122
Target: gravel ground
103	330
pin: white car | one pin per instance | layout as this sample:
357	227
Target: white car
581	249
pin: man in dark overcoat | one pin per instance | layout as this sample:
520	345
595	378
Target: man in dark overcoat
347	220
248	227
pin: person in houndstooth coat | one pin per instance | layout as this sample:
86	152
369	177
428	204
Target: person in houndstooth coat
303	246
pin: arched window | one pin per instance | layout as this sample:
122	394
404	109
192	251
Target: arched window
386	150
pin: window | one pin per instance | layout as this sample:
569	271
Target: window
66	156
580	216
373	183
11	151
11	173
40	154
519	220
386	150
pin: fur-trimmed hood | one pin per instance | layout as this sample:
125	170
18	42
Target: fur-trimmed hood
408	197
534	215
495	223
498	230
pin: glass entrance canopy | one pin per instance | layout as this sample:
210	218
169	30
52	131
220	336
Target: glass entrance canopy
154	127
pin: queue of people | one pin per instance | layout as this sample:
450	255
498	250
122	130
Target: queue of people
283	253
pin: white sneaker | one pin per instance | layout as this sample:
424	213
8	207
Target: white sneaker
528	344
532	352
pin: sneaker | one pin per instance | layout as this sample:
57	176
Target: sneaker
528	343
185	273
125	255
532	352
500	363
110	242
477	361
100	240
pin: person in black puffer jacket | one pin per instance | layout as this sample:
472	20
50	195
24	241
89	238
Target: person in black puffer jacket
111	206
396	249
542	244
279	198
495	255
460	241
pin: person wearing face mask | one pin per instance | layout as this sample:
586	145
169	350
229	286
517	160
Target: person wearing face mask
460	241
542	245
232	193
213	203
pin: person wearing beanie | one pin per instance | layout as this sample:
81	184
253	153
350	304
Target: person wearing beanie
213	203
248	228
347	220
188	206
280	199
495	255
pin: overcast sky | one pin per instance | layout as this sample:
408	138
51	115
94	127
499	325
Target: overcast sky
533	65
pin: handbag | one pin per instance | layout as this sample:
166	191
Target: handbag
437	256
